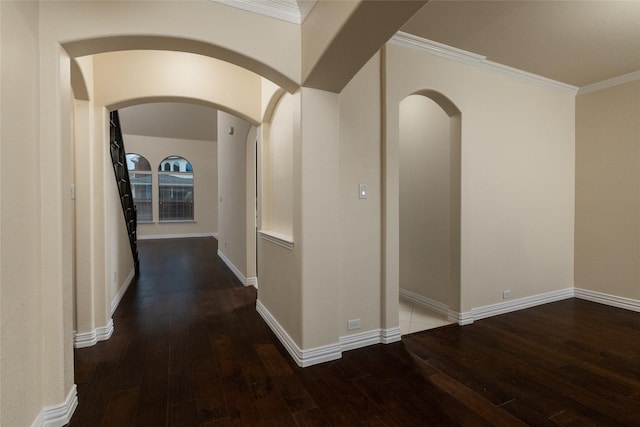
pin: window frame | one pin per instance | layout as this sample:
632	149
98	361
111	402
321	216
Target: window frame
143	205
170	214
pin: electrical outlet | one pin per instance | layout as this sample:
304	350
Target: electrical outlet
353	324
506	294
115	277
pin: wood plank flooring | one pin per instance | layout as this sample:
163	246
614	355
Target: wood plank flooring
189	349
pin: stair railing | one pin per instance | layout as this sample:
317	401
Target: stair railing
119	160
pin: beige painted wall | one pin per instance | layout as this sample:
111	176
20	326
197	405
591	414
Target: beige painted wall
203	157
21	371
360	221
316	155
277	212
279	286
517	177
232	184
129	77
607	241
425	217
279	267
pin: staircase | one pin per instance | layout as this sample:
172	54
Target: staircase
118	158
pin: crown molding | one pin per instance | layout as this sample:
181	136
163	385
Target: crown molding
306	6
292	11
437	49
479	61
605	84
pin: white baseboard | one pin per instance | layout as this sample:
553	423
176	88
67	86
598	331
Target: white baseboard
326	353
607	299
174	236
88	339
303	358
246	281
469	317
58	415
437	306
426	302
122	291
359	340
367	338
515	305
460	318
251	281
389	336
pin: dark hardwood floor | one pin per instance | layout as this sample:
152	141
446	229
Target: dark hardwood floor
189	349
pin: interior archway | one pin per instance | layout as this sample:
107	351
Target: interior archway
98	45
115	80
429	210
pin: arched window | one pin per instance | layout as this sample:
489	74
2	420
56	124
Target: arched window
175	190
140	177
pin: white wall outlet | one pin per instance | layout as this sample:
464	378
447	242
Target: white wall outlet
506	294
353	324
362	191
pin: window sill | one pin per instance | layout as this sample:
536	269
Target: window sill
173	221
279	239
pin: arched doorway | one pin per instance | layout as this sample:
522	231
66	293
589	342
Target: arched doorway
429	211
200	81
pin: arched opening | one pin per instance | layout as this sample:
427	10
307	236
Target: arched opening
429	211
206	82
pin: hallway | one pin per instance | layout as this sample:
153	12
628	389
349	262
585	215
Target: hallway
189	349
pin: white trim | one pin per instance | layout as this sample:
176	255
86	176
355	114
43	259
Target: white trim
437	306
517	304
246	281
122	291
605	84
58	415
479	61
426	302
461	318
252	281
302	358
367	338
359	340
392	335
526	77
88	339
287	11
279	239
607	299
409	40
175	236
